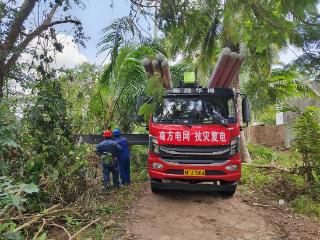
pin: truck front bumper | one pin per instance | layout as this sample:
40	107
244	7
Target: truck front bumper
194	186
216	171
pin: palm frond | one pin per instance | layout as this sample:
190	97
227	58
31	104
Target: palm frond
104	80
306	89
116	34
121	57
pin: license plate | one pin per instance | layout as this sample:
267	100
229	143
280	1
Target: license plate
190	172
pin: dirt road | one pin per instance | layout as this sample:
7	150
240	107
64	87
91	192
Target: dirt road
188	216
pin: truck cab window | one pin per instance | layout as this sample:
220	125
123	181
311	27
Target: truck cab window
194	110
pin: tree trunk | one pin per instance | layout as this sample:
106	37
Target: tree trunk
245	155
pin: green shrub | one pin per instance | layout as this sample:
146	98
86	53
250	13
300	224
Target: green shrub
13	198
53	162
307	142
139	163
9	148
12	194
306	205
155	90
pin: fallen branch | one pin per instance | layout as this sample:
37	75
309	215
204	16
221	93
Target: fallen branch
40	229
84	228
260	204
273	167
35	219
36	215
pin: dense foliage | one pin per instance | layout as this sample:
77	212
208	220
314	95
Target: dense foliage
77	86
8	137
307	142
53	162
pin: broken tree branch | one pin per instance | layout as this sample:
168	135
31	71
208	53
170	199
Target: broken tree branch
272	167
34	219
40	229
84	228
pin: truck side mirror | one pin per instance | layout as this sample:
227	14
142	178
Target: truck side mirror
246	113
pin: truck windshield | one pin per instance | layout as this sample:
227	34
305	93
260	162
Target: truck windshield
186	110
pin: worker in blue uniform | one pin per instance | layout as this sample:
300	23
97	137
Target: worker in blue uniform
109	151
124	157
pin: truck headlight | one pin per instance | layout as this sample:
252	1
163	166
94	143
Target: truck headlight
157	165
232	168
153	145
235	145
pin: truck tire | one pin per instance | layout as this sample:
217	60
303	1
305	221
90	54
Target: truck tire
154	189
230	192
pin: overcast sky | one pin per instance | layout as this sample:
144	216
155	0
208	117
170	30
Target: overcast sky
97	15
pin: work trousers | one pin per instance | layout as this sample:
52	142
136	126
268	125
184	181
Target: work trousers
113	168
124	167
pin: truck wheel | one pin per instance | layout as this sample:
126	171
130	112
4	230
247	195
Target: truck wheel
229	193
155	190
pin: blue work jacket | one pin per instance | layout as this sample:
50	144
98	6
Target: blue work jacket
125	153
109	146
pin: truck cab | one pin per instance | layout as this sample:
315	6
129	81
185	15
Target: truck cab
194	140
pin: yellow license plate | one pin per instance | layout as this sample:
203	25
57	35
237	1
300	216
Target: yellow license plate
190	172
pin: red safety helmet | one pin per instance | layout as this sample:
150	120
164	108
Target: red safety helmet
107	134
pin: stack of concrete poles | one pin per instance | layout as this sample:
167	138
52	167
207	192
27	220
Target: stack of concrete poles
226	69
160	65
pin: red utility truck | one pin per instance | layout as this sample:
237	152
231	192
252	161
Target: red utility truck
194	140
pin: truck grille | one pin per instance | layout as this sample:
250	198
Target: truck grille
194	154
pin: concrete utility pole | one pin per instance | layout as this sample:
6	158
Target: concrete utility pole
226	74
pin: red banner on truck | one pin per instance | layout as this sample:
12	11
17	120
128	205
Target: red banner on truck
197	135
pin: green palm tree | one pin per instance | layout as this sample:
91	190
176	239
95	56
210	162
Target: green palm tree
124	78
114	99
